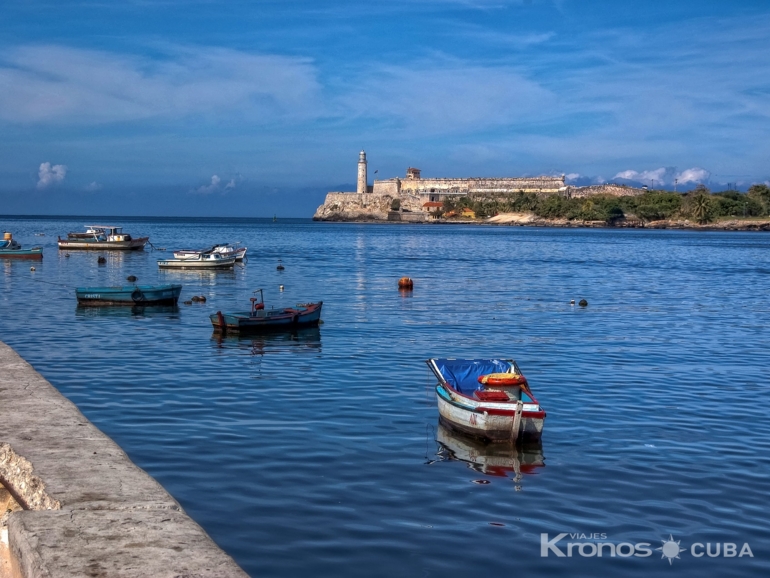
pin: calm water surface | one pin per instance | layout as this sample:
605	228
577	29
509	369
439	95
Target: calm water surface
316	454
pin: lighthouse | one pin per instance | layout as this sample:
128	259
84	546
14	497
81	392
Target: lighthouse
362	177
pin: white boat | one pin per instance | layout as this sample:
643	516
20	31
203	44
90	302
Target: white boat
487	398
201	261
223	249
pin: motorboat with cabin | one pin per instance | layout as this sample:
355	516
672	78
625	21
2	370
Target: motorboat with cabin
100	237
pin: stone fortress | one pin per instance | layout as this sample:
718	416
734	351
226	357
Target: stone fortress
418	199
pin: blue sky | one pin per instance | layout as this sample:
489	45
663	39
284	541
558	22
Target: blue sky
257	108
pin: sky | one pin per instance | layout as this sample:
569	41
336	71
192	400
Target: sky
258	108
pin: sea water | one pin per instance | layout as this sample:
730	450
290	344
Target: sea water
319	453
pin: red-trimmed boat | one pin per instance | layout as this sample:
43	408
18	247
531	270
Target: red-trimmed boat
487	398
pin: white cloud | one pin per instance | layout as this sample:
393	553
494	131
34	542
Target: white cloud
93	187
69	85
694	175
572	177
50	175
230	185
211	187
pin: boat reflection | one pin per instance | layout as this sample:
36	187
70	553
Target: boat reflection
165	311
301	340
500	460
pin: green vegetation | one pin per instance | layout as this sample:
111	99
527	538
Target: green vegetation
699	205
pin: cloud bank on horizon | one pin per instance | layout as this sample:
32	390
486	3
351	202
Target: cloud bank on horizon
285	96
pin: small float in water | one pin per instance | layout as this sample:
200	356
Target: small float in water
11	249
132	295
489	399
260	320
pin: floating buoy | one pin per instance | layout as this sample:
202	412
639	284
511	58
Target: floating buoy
583	303
280	267
572	302
101	260
280	287
203	298
188	302
199	298
131	278
405	283
66	254
31	268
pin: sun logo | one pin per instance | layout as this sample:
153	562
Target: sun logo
670	549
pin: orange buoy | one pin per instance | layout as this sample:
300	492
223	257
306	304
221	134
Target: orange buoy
405	283
502	379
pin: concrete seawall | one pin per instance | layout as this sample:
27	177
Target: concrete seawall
87	509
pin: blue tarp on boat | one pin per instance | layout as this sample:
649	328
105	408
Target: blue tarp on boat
463	374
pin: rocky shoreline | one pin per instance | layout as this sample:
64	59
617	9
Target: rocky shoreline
529	220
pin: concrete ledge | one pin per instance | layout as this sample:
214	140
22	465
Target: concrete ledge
90	511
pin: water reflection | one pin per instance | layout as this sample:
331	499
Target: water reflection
162	311
500	460
302	340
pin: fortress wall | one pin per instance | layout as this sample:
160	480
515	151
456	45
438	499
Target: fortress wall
387	187
469	186
613	190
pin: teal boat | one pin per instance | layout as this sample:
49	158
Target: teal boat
131	295
10	249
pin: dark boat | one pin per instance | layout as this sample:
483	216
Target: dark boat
260	320
131	295
101	237
9	248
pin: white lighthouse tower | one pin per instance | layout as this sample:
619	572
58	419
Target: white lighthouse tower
362	176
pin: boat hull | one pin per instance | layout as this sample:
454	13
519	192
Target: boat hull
133	295
34	253
93	245
268	320
196	264
487	421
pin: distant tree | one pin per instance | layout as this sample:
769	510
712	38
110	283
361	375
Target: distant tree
701	207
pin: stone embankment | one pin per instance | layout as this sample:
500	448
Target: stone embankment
78	505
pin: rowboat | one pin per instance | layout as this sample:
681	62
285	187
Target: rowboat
487	398
223	249
201	261
500	460
260	320
100	237
11	249
131	295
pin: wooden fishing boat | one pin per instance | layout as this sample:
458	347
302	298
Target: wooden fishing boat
101	237
132	295
223	249
260	320
201	261
10	249
487	398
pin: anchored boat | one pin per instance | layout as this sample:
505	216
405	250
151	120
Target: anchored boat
487	398
223	249
260	319
100	237
199	261
133	295
11	249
